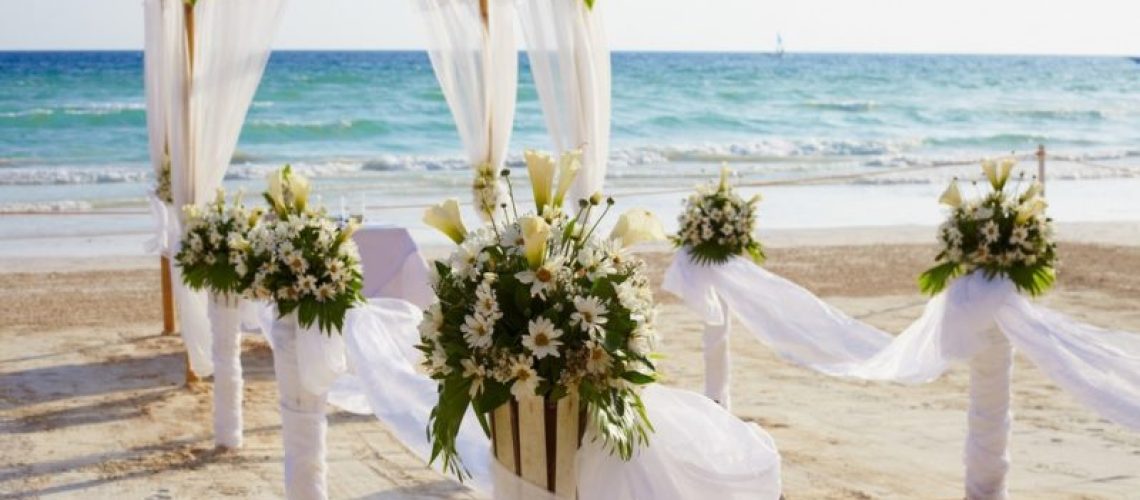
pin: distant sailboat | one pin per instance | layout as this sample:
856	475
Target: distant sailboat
779	46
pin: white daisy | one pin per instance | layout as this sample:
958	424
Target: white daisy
526	379
542	338
990	231
543	279
597	359
589	315
476	373
476	331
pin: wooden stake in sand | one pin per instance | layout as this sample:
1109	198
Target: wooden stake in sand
169	319
188	17
1041	166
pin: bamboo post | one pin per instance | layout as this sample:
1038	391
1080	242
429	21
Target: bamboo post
1041	166
188	16
485	12
169	320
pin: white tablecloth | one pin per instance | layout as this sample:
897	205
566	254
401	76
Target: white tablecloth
392	263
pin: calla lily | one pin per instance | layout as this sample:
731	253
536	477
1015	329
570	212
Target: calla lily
445	217
998	174
535	233
276	191
637	225
1030	209
568	166
1034	190
951	197
348	230
540	166
724	173
298	186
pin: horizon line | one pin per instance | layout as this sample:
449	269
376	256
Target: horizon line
634	51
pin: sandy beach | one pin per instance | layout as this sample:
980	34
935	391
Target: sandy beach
92	403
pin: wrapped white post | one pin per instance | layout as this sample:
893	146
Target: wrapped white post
718	366
303	423
987	440
225	327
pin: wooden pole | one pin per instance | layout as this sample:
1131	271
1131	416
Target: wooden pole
1041	166
169	320
188	16
486	13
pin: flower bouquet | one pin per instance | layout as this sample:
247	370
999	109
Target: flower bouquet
717	224
215	257
1004	233
304	262
536	315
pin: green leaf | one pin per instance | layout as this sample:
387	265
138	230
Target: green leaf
935	279
589	4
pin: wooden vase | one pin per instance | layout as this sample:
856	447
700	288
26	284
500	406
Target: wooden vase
538	440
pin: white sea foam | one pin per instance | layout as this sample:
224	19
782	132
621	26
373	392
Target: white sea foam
63	206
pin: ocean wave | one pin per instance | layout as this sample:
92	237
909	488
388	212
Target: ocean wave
848	106
23	176
62	206
762	156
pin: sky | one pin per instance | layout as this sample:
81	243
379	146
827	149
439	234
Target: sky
1109	27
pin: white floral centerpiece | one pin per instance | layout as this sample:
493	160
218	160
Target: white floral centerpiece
215	245
539	306
717	224
1003	233
302	260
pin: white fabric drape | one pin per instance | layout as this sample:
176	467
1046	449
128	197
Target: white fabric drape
718	365
988	422
393	265
225	326
1099	368
570	60
975	320
698	449
207	107
304	426
477	68
158	71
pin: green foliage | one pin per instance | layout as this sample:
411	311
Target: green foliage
717	225
1005	234
214	253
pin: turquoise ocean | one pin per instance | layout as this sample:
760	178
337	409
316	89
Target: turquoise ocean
374	125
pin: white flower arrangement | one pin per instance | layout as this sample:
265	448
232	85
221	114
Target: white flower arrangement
162	188
717	224
215	245
302	260
1002	233
533	305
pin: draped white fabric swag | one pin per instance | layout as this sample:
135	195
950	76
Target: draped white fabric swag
570	60
477	68
1100	368
698	449
200	115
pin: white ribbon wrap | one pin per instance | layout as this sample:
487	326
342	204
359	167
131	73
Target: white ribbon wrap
303	422
225	326
718	365
988	419
1099	368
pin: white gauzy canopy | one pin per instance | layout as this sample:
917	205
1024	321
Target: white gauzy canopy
196	111
476	62
570	61
160	50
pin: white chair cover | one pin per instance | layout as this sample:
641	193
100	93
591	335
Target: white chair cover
205	115
477	68
393	266
570	60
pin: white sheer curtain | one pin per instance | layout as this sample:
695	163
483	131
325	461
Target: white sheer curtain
476	64
158	49
570	60
208	104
